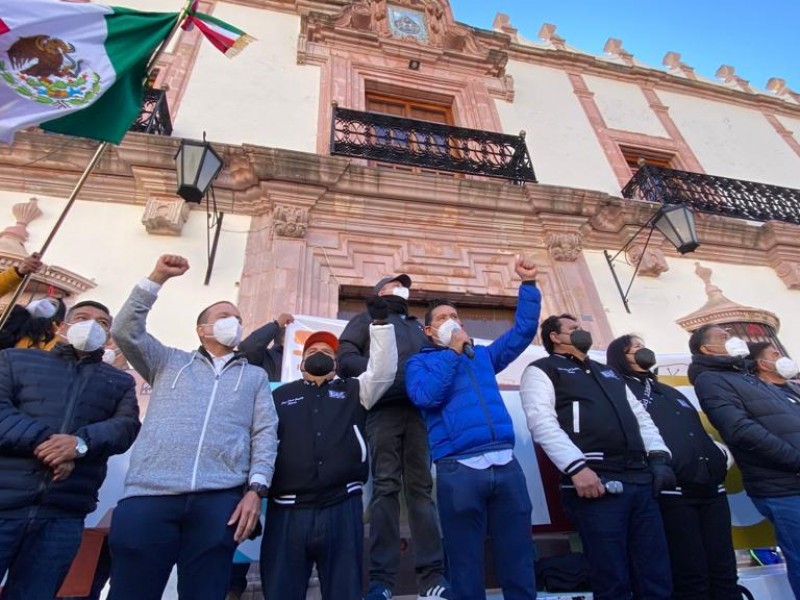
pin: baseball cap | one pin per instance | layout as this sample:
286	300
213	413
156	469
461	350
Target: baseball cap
325	337
402	278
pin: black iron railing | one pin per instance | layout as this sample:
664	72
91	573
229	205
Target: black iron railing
154	117
716	195
429	145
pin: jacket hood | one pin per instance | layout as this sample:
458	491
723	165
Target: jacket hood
705	362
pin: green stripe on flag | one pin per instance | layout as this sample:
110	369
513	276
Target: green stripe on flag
222	24
131	40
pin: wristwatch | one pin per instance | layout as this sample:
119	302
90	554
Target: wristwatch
259	488
80	447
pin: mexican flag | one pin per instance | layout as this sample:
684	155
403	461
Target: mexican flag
73	68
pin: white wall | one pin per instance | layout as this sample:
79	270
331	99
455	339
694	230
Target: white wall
656	303
792	125
261	96
732	141
109	244
624	106
563	146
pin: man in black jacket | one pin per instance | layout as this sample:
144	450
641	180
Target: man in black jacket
315	511
257	350
398	444
760	425
62	415
697	518
596	432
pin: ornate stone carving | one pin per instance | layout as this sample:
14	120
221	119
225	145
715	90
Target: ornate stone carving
718	309
608	218
13	238
729	77
565	247
165	215
653	262
424	22
290	221
614	48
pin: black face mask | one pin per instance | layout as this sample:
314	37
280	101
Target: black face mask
645	358
581	339
318	364
396	304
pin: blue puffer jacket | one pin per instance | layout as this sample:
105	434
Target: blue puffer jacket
43	393
459	397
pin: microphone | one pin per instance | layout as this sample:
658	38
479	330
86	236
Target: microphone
467	349
613	487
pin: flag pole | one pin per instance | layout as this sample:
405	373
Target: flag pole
88	170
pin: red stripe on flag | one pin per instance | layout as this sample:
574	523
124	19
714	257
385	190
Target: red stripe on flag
3	27
212	36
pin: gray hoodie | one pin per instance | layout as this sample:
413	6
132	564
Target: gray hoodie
203	431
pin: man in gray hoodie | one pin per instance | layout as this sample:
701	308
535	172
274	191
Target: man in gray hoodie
205	456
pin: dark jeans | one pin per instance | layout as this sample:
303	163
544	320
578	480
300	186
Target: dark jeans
474	502
784	514
700	547
37	554
239	577
624	543
398	442
297	538
151	534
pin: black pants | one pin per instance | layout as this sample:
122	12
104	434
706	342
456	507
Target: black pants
297	538
700	547
398	443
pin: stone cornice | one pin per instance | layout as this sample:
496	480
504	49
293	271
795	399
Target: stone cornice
344	194
588	64
69	282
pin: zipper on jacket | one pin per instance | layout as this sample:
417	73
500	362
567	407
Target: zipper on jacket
47	477
203	431
485	408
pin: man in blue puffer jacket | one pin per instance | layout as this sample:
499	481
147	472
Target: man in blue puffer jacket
62	415
480	485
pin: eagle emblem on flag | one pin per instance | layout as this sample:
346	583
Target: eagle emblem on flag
46	70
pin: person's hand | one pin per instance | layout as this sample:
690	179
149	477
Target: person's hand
526	269
663	475
30	264
459	339
587	484
284	319
167	267
57	449
245	517
378	308
62	471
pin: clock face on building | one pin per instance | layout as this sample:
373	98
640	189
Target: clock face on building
405	22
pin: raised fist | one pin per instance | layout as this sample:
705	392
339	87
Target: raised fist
526	268
377	308
168	266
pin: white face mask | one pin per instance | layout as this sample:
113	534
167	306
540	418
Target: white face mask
736	346
446	330
109	356
786	367
401	292
228	331
87	336
44	308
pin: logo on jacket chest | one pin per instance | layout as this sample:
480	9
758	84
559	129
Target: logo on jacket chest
569	370
291	401
338	394
609	374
